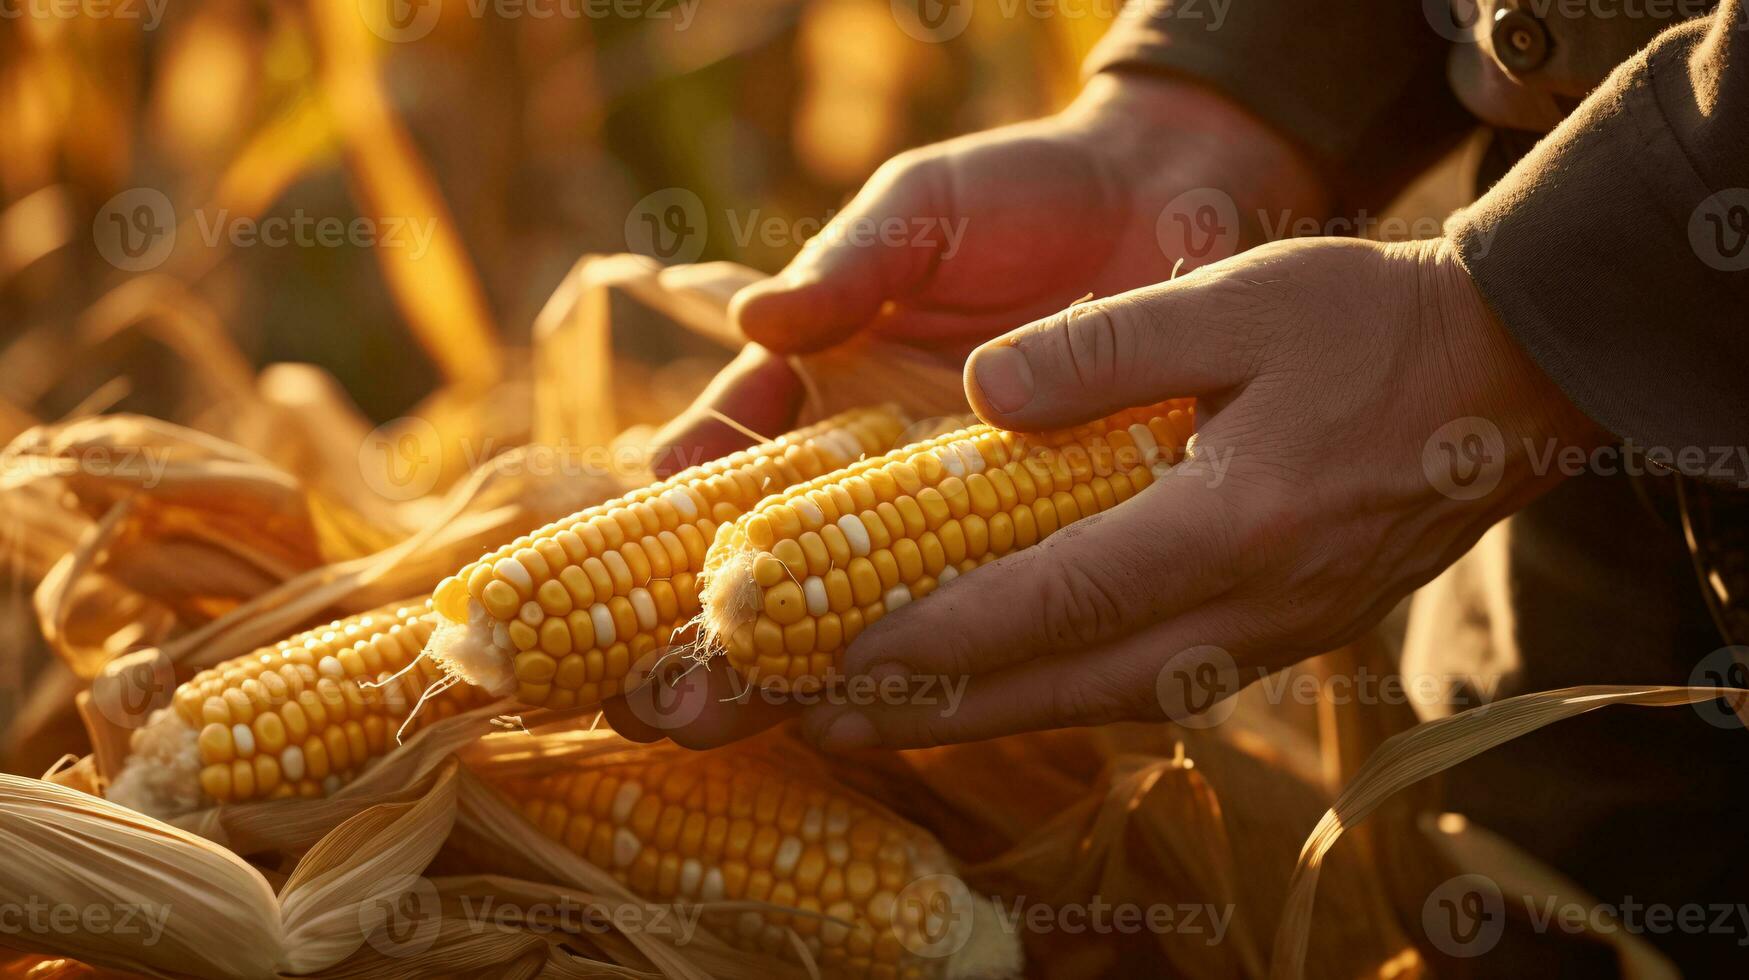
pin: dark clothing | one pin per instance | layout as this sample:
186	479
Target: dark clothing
1617	253
1589	241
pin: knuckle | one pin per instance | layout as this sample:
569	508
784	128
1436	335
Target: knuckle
1093	346
1078	606
910	170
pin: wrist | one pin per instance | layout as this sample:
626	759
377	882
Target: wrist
1165	126
1483	357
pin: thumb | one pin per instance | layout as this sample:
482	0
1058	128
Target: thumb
1097	358
864	257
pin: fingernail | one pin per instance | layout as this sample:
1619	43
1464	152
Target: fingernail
849	731
1004	378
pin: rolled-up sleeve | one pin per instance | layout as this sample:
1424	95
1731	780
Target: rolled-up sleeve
1617	251
1359	84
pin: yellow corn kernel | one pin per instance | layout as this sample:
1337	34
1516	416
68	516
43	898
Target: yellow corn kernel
941	507
623	574
301	711
728	826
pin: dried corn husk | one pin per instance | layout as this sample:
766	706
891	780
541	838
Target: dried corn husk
220	917
1430	748
362	851
1132	811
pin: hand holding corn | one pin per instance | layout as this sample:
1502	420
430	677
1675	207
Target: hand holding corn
1305	509
1004	227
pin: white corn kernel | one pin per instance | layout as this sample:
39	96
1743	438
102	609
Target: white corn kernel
855	534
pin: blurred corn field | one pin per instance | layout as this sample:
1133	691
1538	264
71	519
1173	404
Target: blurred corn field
276	221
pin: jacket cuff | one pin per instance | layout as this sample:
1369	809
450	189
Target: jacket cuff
1619	265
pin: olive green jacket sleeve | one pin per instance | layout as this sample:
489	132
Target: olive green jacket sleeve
1617	251
1360	84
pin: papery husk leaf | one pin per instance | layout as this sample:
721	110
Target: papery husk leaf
35	530
341	884
1156	830
866	371
1431	748
31	227
573	353
78	850
164	307
316	433
223	917
459	533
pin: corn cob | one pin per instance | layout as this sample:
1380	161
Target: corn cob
792	583
729	826
557	618
300	718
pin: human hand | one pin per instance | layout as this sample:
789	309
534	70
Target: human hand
1014	224
1001	228
1324	369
